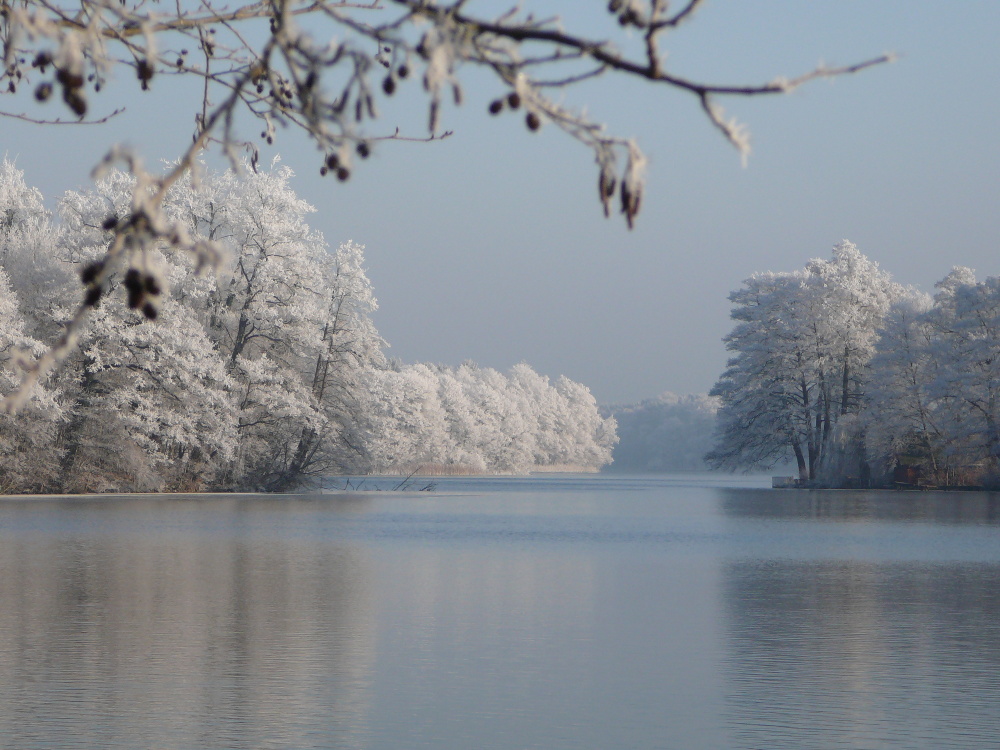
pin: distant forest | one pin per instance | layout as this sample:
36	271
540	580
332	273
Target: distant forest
265	374
663	434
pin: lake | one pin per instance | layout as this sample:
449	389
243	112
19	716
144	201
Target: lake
619	612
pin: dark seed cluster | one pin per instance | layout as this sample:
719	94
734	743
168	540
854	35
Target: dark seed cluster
333	164
143	292
93	289
144	72
72	91
512	101
628	14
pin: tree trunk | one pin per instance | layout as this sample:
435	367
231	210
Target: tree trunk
845	387
800	461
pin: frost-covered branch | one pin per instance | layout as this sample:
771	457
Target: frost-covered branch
323	68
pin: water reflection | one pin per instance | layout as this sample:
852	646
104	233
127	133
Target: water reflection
851	505
652	615
121	631
847	654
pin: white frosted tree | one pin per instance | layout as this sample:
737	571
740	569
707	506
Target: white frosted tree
904	419
591	437
966	346
151	409
350	345
29	450
422	417
289	318
769	390
149	404
803	341
403	425
27	241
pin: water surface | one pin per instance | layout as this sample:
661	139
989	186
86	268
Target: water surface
551	612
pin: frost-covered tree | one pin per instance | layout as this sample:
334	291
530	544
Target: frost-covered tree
403	424
151	407
965	320
324	67
902	413
29	452
934	405
469	418
803	341
27	241
148	406
349	346
288	318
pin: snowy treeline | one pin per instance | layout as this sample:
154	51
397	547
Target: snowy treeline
861	380
478	419
260	376
667	433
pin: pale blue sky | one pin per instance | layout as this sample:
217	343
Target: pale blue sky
491	245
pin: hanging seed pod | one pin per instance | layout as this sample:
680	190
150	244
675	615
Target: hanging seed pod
75	101
68	79
533	121
630	202
91	271
42	59
496	106
135	288
606	183
144	71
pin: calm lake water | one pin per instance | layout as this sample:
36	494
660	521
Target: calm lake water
557	612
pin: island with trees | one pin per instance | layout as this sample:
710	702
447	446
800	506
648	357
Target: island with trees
861	381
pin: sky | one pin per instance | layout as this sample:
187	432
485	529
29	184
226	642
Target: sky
491	245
